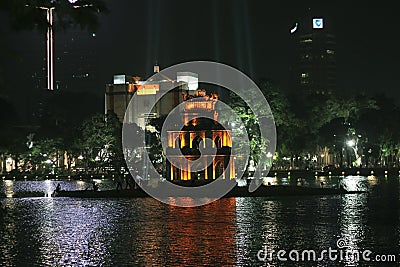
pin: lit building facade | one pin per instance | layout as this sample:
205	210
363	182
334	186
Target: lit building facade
200	136
314	69
119	94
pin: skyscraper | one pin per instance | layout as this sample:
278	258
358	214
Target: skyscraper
314	60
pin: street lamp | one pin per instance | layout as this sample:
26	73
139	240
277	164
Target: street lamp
351	143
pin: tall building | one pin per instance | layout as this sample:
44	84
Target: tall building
74	62
314	62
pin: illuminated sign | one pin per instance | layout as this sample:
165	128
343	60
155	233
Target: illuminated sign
318	23
148	89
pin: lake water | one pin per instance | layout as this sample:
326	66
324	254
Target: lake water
46	231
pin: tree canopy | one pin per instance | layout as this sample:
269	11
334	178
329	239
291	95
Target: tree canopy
28	15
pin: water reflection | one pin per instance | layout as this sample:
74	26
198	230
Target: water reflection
8	232
254	230
56	232
208	233
74	234
315	222
355	183
228	232
352	220
372	180
10	187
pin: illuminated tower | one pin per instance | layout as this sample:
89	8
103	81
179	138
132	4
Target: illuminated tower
198	137
50	8
314	69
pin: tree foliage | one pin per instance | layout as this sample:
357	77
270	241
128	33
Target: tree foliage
28	15
101	140
306	123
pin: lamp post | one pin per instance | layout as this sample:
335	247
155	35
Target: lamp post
350	143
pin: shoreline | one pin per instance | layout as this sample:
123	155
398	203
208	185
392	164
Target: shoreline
262	191
272	173
166	191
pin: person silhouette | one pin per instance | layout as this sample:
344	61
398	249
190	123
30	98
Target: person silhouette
95	186
119	181
58	188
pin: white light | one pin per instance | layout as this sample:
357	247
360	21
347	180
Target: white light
80	157
294	29
72	1
351	143
50	49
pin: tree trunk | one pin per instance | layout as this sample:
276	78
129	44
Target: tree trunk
3	163
69	162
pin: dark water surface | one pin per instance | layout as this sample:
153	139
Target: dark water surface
229	232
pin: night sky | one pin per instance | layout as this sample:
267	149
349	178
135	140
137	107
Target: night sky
250	35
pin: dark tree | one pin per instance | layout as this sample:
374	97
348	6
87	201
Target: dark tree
28	15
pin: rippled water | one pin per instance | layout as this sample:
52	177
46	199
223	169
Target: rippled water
228	232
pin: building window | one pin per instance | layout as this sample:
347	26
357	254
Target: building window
304	78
